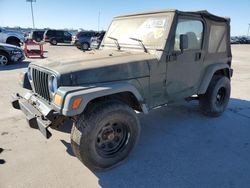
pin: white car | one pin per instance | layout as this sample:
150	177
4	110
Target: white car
11	37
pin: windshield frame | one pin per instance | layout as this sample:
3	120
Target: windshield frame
137	46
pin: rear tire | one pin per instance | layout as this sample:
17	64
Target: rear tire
53	42
105	135
214	102
38	39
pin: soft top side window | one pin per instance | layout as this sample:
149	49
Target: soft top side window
217	39
193	29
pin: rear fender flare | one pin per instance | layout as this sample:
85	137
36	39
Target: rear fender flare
210	71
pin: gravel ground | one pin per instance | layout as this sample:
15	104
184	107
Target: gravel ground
178	147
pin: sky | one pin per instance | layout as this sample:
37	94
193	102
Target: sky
60	14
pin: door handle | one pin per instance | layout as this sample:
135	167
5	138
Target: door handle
172	56
197	56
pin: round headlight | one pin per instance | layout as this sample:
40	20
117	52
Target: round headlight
29	74
53	84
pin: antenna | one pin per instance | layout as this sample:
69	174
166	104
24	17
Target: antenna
248	30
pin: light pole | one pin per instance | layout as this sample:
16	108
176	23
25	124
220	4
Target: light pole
99	14
31	6
248	30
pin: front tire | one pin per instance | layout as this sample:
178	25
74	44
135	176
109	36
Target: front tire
215	100
105	136
85	46
4	59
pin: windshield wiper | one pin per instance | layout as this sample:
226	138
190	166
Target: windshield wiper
116	42
141	43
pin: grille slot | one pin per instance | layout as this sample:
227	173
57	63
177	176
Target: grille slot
40	81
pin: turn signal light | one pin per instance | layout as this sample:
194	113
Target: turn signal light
58	100
21	77
76	103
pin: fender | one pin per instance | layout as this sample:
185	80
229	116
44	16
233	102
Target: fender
90	93
209	74
24	81
14	35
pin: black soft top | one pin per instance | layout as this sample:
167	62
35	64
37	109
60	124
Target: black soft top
203	13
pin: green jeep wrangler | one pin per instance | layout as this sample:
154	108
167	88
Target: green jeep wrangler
146	60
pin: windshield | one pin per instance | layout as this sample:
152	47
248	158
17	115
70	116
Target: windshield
150	30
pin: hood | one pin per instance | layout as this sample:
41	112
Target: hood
101	66
14	32
18	34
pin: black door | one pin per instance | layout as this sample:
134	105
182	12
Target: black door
67	37
184	68
59	36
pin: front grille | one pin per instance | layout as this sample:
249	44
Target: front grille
40	82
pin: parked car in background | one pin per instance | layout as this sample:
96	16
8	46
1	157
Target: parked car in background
26	34
37	35
57	36
83	39
97	40
244	40
11	37
235	40
10	53
240	40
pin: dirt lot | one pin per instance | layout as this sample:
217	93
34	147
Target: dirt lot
178	147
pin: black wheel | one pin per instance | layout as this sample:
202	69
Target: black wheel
215	100
53	42
4	59
105	136
85	46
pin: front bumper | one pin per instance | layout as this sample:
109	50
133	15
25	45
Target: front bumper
17	57
37	113
94	45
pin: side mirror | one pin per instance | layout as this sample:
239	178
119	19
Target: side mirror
183	42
